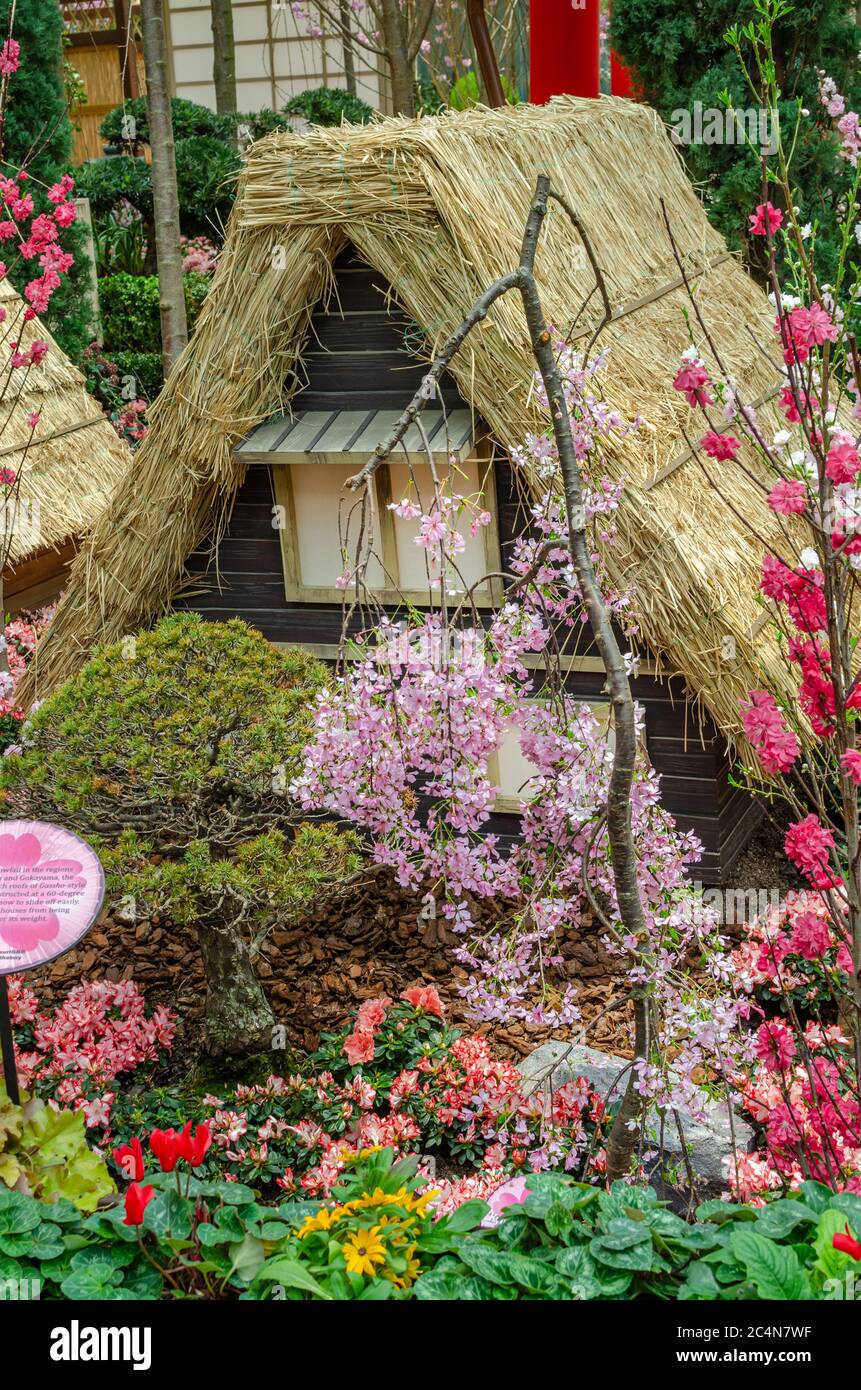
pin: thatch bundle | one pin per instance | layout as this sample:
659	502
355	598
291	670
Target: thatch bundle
75	458
438	207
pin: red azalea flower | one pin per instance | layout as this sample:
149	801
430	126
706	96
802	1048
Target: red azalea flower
130	1160
845	1241
137	1200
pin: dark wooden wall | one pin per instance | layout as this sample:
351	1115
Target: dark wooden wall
364	359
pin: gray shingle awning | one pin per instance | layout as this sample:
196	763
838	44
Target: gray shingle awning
320	436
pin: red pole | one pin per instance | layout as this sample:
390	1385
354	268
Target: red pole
563	48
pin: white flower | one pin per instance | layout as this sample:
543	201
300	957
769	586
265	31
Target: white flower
809	558
782	437
806	230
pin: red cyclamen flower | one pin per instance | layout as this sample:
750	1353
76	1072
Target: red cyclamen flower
845	1241
130	1160
136	1202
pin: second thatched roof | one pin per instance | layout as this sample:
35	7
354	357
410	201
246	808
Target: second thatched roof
69	464
438	207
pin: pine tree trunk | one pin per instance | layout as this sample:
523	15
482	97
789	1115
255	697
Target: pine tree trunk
238	1019
174	330
400	67
223	56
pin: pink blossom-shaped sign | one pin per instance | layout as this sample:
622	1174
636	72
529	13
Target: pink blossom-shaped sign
51	890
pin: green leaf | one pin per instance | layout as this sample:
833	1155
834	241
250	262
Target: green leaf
142	1281
558	1220
535	1276
437	1286
816	1195
633	1257
93	1282
247	1257
18	1212
774	1269
281	1270
490	1264
700	1282
466	1217
778	1219
719	1212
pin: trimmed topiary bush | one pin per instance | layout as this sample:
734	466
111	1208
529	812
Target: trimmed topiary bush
128	125
191	731
130	310
328	106
172	751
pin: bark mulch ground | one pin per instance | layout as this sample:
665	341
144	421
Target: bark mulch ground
368	942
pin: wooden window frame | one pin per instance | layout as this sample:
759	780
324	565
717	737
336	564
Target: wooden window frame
503	803
491	594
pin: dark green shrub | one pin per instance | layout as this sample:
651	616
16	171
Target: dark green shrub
146	370
130	310
679	56
328	106
107	182
173	752
205	169
128	125
37	133
191	731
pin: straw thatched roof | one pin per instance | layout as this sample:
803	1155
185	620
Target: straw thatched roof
75	457
438	207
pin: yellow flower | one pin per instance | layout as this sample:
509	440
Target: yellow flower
363	1250
419	1204
379	1198
324	1220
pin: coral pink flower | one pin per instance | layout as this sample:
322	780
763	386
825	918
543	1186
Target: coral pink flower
372	1015
850	762
807	844
426	999
776	745
693	381
766	220
359	1047
842	462
775	1045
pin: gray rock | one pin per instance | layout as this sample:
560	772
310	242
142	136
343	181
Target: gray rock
555	1063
